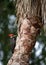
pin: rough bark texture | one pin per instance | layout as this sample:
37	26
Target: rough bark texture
44	14
29	25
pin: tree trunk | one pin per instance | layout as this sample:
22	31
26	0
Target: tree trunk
44	14
29	25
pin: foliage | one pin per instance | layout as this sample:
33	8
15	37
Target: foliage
6	8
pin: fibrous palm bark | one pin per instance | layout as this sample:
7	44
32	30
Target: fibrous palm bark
29	25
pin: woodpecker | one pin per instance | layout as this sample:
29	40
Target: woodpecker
12	41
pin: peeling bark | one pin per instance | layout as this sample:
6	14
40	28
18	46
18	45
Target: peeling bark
29	27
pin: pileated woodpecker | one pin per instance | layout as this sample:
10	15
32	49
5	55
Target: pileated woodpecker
12	41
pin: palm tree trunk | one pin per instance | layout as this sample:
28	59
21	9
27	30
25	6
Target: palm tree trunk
29	26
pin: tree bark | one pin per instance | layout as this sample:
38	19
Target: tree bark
29	26
44	15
